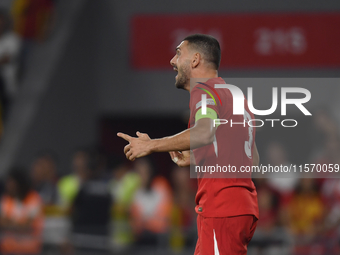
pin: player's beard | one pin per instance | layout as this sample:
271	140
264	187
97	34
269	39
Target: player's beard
183	76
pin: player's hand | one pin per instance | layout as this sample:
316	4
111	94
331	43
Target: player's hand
180	158
138	146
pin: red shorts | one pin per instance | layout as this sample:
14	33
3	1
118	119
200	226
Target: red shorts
224	236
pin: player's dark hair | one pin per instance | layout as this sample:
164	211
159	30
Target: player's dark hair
208	46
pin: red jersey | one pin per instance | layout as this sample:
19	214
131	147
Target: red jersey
235	194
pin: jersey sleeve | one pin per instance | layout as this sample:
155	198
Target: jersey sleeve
196	104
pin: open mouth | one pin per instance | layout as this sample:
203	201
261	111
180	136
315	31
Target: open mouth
176	70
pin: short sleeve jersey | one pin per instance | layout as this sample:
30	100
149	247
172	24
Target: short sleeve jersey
235	193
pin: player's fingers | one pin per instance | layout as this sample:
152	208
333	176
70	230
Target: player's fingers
139	134
124	136
181	164
127	148
178	153
131	157
172	154
128	154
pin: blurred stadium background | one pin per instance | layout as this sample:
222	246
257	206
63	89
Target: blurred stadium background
74	73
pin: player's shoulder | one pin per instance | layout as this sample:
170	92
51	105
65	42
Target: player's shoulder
207	86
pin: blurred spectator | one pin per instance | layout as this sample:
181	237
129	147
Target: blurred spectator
151	208
9	51
325	137
284	183
268	207
325	126
123	186
183	216
44	177
330	153
68	186
331	226
271	235
330	188
331	192
306	211
90	211
21	216
33	22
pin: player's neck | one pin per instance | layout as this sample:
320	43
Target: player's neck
202	76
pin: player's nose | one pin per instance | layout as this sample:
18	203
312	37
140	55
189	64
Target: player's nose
172	61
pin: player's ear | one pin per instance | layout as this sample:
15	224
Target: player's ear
196	60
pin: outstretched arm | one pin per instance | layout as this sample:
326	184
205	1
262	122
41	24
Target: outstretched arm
200	135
